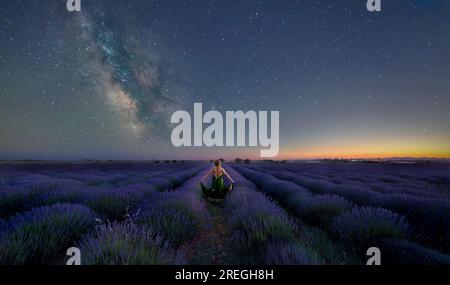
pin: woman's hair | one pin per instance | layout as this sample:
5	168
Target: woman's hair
217	163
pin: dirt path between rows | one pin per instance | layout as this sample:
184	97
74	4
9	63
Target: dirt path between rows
212	245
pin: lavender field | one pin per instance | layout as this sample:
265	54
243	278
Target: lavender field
278	214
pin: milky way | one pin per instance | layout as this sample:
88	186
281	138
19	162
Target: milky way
131	80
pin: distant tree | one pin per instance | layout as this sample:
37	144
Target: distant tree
248	161
238	160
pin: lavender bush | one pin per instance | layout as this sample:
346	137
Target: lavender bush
364	227
171	218
398	252
287	254
321	210
114	204
318	209
126	244
281	190
431	217
16	199
258	225
73	195
41	235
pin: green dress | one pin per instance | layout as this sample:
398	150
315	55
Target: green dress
218	190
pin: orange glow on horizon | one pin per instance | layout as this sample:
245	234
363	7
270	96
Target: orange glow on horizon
361	152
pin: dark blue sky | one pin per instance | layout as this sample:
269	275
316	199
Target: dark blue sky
103	83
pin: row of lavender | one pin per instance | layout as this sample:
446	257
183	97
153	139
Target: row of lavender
346	214
157	234
138	223
21	190
262	233
426	207
422	180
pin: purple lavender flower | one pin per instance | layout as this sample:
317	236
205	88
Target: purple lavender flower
363	227
287	254
126	244
401	252
41	235
321	210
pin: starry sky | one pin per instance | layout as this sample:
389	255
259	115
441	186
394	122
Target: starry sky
104	82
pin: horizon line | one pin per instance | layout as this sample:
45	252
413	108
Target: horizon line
234	159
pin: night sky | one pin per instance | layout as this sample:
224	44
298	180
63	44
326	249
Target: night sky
103	83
